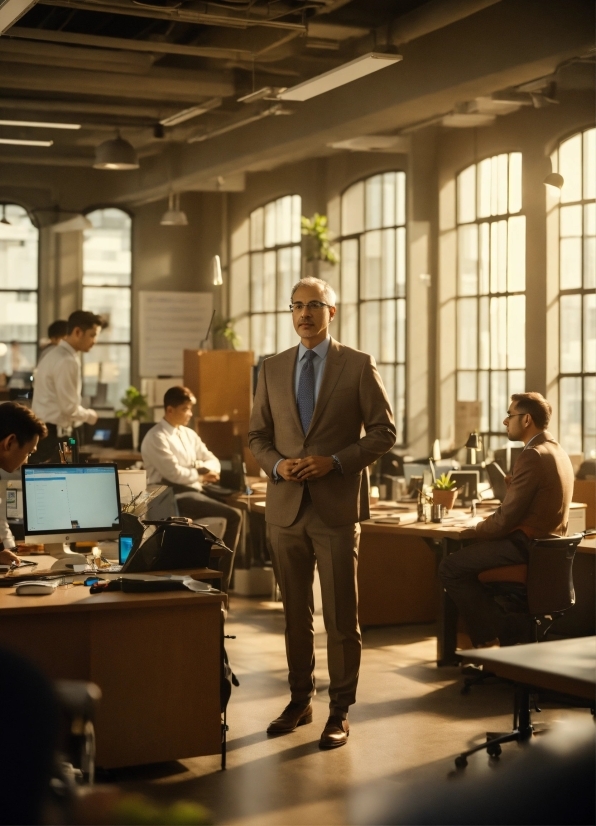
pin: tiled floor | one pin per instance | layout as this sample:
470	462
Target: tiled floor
409	722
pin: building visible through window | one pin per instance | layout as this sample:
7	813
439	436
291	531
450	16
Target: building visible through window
18	294
491	284
107	282
572	226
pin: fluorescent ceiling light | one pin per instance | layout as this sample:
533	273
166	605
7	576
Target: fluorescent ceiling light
276	109
40	124
17	142
193	112
463	120
355	69
373	143
266	93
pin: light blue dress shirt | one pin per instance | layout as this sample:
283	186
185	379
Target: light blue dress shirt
321	350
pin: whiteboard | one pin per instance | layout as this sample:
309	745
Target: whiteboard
170	323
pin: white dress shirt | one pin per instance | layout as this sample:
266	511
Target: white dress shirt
173	454
57	389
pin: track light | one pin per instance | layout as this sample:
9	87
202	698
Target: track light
173	216
116	154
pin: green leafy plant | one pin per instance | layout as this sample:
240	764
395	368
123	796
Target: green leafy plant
134	404
317	229
225	327
444	483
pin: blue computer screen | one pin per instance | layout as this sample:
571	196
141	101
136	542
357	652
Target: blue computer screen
70	498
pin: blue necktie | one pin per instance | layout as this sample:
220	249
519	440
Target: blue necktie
306	390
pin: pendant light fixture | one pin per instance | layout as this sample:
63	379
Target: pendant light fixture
554	182
4	218
173	216
216	271
116	154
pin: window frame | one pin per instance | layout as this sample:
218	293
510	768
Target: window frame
492	436
35	223
130	287
360	301
581	291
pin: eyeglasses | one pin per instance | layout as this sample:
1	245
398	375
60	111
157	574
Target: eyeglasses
298	306
511	415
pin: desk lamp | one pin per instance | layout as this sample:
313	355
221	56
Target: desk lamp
473	444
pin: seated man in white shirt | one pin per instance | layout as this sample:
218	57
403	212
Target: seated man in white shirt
57	384
174	455
20	431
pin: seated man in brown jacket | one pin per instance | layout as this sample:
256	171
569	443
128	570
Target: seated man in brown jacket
536	505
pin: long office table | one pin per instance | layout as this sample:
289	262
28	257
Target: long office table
156	658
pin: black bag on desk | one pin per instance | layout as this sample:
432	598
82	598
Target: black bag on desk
175	544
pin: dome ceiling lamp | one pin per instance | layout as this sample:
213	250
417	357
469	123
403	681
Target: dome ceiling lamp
117	154
174	216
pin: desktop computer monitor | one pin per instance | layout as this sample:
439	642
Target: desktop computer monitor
70	503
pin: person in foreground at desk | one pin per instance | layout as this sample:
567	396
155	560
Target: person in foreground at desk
536	505
320	417
174	455
20	431
57	387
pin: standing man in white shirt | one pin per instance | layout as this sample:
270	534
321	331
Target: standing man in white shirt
58	384
174	455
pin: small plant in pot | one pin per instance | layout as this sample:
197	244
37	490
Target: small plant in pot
135	408
444	491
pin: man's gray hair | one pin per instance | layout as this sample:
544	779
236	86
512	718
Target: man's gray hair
310	281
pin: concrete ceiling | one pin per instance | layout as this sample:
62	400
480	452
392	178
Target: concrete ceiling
127	64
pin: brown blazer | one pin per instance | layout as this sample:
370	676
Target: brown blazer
352	420
538	498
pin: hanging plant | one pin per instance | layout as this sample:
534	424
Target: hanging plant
320	248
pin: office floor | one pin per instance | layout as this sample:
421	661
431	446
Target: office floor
407	726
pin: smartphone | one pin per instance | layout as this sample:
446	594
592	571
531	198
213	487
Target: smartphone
125	543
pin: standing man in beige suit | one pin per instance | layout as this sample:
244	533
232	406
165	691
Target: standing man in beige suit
321	416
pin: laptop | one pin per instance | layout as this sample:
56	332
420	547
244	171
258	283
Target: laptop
103	433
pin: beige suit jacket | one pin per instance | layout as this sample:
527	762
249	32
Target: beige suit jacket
352	420
538	498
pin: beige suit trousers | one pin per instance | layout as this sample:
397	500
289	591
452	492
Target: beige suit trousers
294	551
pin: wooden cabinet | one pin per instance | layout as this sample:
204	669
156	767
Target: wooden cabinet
222	382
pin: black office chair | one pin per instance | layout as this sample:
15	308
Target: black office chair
549	592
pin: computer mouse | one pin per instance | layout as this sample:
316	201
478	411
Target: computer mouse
27	589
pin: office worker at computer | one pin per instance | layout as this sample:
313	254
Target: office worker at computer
58	384
20	432
173	454
536	505
320	417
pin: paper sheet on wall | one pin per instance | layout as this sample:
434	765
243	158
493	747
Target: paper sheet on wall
169	323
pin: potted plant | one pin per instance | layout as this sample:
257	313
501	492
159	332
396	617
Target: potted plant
316	245
224	328
135	408
444	491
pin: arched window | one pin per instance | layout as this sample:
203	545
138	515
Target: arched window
274	267
107	282
372	280
491	284
18	292
572	228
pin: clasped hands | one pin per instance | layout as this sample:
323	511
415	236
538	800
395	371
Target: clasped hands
300	470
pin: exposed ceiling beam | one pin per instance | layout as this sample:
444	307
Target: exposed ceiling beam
51	54
158	84
434	15
180	15
12	10
151	46
153	113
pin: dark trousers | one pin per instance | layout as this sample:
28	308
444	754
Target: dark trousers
484	619
195	506
47	449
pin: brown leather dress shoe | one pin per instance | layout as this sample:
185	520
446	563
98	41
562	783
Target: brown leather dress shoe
293	715
335	733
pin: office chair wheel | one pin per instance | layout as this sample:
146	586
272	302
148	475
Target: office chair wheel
494	751
461	762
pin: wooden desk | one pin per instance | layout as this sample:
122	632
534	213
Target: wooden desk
156	658
566	666
110	454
